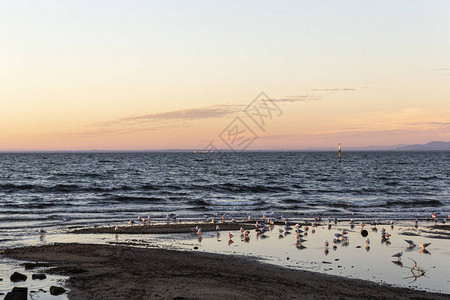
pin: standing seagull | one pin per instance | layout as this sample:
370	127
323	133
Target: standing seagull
398	255
424	245
411	243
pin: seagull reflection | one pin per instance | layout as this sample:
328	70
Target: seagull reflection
281	236
326	251
200	238
424	251
398	263
300	247
230	242
247	239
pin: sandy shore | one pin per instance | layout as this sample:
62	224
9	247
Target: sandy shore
117	272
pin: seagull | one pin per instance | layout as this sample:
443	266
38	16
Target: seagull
172	216
242	229
411	243
195	229
116	228
249	218
344	232
246	233
260	225
230	235
424	245
367	241
281	230
398	255
131	222
42	231
199	231
217	227
326	243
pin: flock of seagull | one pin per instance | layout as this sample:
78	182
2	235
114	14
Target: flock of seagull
302	231
268	222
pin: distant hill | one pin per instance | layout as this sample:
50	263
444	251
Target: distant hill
431	146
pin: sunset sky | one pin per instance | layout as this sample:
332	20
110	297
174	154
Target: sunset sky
149	75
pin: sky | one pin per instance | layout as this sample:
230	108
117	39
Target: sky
152	75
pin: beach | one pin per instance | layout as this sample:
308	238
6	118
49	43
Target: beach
117	272
169	261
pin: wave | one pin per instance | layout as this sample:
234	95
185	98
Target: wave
240	188
130	198
414	203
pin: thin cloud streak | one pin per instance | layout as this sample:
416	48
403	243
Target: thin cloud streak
216	111
292	99
335	90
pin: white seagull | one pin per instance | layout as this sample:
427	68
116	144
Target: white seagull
398	255
424	245
411	243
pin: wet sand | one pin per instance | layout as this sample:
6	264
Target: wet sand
118	272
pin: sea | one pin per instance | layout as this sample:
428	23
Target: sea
56	191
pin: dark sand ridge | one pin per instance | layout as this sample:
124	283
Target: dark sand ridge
117	272
164	228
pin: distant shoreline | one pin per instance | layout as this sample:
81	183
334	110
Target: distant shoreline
192	151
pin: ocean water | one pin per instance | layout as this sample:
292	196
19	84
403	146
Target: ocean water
60	190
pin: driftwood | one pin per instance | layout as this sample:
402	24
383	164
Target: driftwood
416	271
